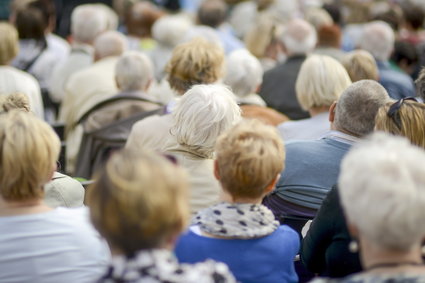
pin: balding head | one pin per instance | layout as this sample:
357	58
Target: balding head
87	22
299	37
212	13
110	43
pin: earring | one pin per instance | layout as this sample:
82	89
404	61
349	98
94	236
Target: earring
353	247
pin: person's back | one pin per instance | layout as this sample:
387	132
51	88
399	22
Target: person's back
55	246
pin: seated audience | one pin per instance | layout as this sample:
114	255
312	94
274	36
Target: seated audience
240	231
13	80
378	39
203	113
325	248
139	205
195	62
244	75
320	82
312	167
39	243
360	65
382	188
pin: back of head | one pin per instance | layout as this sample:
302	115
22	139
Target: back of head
249	157
420	84
167	30
244	72
361	65
329	36
8	43
48	10
87	22
133	71
131	201
195	62
408	120
318	17
30	23
28	152
261	35
378	39
14	101
299	37
382	188
212	13
320	82
203	113
141	17
357	107
413	15
109	43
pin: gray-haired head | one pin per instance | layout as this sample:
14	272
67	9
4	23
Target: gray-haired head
168	30
299	37
378	39
243	72
133	71
382	188
357	107
87	22
110	43
203	113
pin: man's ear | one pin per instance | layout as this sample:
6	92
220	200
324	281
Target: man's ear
216	170
332	112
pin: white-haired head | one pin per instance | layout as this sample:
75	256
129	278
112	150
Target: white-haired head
202	114
378	39
320	82
382	188
87	22
133	71
299	37
111	16
168	30
243	72
109	43
357	107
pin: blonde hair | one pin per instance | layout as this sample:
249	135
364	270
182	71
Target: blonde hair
361	65
28	154
320	82
249	157
9	46
410	121
12	101
195	62
139	201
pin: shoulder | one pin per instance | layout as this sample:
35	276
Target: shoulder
63	190
208	271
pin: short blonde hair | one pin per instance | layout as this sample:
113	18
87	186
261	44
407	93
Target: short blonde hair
249	157
409	121
8	43
139	201
361	65
195	62
14	101
28	154
320	82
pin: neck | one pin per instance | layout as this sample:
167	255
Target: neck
318	110
376	258
10	208
225	196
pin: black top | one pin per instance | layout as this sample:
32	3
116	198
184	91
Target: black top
278	88
325	247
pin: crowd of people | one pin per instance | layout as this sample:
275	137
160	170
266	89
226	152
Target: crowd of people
254	141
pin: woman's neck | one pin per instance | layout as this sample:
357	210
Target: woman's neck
11	208
225	196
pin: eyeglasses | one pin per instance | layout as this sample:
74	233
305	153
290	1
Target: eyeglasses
395	107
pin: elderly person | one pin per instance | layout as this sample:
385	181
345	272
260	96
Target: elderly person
278	88
203	113
195	62
316	92
139	205
53	245
360	65
329	42
87	22
244	75
389	235
378	39
249	158
89	86
312	167
13	80
325	247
